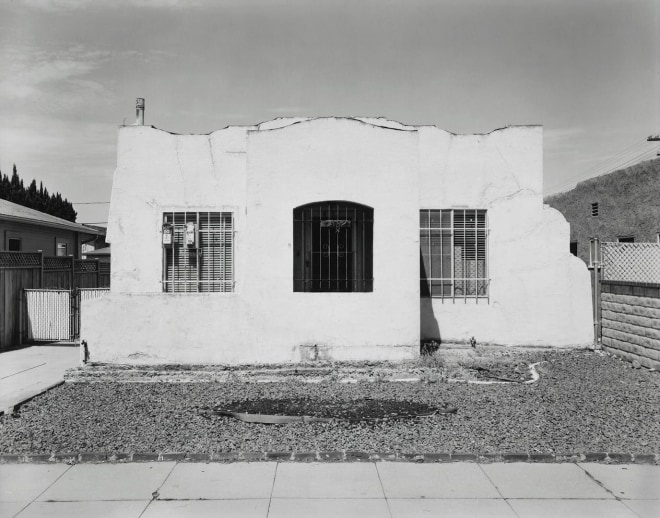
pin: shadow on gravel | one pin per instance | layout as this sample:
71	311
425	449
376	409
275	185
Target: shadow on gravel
282	411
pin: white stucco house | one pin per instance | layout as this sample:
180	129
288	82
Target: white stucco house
335	238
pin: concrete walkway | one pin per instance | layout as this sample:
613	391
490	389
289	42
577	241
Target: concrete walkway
26	372
367	489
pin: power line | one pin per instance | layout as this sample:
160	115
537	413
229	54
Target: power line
633	161
623	159
606	162
90	202
620	165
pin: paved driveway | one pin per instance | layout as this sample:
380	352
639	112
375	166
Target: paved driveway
26	372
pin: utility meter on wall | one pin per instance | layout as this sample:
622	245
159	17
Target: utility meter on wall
190	234
167	234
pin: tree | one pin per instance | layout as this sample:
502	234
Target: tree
14	190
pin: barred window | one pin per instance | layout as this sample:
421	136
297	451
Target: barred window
333	247
198	255
453	253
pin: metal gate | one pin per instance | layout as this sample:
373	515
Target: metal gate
55	314
48	314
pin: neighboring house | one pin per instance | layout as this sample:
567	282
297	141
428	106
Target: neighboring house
332	238
28	230
621	206
102	254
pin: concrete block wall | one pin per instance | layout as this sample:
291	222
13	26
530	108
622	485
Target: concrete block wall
631	321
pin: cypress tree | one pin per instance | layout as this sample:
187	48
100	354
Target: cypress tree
14	190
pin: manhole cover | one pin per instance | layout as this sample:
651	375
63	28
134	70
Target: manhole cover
301	409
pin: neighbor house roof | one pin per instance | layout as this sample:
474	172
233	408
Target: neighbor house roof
15	212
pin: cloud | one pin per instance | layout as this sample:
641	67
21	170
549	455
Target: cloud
33	74
72	5
55	80
560	137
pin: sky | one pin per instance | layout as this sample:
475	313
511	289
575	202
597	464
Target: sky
70	71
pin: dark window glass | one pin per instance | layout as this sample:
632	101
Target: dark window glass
333	247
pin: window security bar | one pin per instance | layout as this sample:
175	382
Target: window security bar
206	265
333	247
454	254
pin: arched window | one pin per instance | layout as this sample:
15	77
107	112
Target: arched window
333	247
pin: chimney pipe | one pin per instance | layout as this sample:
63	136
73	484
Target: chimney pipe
139	112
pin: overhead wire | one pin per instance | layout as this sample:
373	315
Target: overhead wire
632	154
635	154
607	162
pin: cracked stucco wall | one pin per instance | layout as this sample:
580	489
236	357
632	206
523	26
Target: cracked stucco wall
539	292
261	174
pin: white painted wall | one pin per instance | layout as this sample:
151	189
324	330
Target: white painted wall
540	294
263	320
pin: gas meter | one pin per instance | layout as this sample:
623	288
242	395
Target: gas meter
167	234
190	235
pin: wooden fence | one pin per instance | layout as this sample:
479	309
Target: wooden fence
630	301
31	270
631	321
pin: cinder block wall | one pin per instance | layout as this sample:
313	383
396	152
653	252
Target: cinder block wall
631	321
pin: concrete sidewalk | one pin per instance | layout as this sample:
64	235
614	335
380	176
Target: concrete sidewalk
367	489
26	372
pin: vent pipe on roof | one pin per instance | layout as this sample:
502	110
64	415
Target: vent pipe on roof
139	112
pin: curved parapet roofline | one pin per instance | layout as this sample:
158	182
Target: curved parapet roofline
280	123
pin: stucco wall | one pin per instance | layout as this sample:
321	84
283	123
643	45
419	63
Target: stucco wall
263	320
539	293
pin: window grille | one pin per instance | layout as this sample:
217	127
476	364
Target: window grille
333	247
208	264
594	209
454	254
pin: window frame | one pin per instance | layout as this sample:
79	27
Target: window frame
14	239
217	245
314	224
61	245
454	232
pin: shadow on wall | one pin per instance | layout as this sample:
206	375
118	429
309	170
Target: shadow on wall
429	328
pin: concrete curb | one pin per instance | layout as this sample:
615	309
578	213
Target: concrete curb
21	400
332	456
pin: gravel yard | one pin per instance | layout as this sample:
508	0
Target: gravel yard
583	402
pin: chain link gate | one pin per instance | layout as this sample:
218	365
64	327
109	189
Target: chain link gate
54	315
